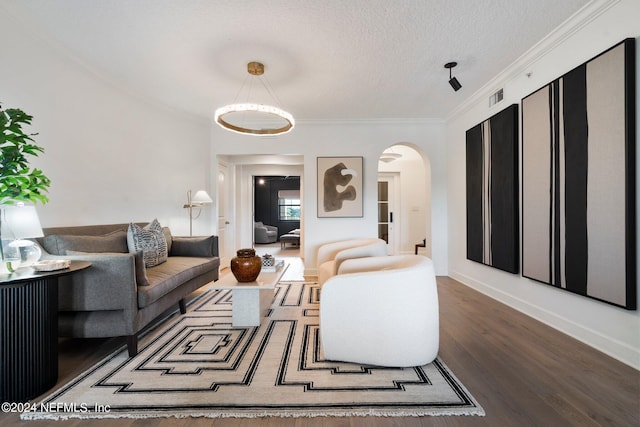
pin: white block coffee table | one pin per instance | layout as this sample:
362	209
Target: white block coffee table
250	300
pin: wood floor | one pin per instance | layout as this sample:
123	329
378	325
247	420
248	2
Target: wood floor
522	372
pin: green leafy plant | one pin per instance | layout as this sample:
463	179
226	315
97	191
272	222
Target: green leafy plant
19	182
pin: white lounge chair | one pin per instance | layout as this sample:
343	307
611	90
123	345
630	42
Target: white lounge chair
331	255
381	311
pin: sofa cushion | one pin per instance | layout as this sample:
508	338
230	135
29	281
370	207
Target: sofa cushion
193	246
165	277
113	242
150	240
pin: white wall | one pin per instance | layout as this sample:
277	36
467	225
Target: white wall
111	157
613	330
354	138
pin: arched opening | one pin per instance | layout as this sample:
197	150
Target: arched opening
404	199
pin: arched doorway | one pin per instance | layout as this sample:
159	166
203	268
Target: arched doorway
404	199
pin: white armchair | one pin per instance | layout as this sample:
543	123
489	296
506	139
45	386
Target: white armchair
381	311
331	255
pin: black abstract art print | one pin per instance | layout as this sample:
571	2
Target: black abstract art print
578	187
340	187
492	191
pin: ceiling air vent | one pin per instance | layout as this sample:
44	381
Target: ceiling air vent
496	97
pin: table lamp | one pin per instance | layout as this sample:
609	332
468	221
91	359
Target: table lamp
20	222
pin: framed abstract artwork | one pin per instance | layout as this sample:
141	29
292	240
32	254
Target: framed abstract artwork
492	185
578	185
340	187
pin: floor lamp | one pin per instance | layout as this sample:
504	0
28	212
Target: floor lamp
200	199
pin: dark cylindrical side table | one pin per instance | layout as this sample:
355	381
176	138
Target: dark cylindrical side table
29	332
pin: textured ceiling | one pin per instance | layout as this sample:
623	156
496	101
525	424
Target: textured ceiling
324	59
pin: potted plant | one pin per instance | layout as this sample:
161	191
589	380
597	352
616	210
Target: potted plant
19	183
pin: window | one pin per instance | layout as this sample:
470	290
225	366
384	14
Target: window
289	205
288	209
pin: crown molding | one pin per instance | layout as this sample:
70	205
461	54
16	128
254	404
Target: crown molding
372	121
564	31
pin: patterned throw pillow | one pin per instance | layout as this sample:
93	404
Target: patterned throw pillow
150	240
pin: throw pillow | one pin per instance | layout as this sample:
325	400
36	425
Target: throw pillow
150	240
194	246
168	237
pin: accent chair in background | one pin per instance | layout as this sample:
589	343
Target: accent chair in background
265	233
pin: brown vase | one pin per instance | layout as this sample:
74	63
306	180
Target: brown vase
246	265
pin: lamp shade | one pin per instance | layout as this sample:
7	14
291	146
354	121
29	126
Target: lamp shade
23	221
201	197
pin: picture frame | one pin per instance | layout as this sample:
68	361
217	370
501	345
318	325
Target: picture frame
492	181
340	187
578	179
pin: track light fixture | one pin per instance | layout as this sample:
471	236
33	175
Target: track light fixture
455	84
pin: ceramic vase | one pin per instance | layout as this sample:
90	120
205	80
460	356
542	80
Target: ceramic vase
246	266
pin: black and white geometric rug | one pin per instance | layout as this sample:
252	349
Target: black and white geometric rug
197	365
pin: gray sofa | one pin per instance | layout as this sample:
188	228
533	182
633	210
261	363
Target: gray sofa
265	233
117	295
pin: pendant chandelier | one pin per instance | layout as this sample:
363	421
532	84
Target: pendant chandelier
252	118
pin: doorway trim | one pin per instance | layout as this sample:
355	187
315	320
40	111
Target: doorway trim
243	194
224	204
394	210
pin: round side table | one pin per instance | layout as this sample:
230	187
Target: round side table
29	332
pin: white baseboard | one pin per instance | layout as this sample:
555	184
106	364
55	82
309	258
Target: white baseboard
612	347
